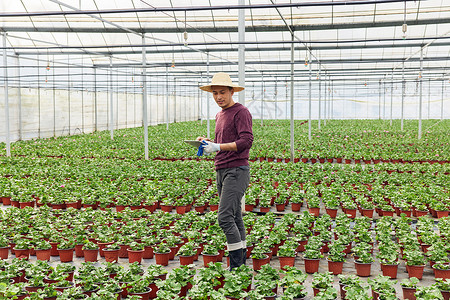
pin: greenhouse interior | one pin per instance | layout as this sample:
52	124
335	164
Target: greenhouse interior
127	171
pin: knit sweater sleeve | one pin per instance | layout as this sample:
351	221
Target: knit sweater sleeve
243	123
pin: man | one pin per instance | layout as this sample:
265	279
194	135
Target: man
233	139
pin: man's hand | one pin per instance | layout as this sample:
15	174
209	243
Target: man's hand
211	147
202	138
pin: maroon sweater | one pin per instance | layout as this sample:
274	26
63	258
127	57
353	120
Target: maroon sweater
233	124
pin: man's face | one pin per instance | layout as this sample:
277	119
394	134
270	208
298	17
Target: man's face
223	95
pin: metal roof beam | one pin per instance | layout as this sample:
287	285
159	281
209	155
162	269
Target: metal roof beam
320	48
262	28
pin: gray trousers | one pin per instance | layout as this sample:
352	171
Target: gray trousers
231	186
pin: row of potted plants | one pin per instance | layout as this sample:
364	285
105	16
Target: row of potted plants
364	140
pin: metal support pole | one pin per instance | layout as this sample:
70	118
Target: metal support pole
403	95
54	101
379	99
207	100
144	96
5	78
19	95
332	100
420	94
201	95
68	90
320	91
325	101
309	100
111	110
429	98
241	51
262	98
384	99
39	98
82	96
286	93
292	98
442	98
175	101
167	98
392	97
95	100
275	99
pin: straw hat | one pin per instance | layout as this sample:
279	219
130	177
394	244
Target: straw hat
221	79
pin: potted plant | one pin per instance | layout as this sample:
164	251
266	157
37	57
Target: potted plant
363	264
140	288
259	257
65	249
111	252
286	254
4	247
22	249
135	252
161	253
90	251
322	281
444	287
441	270
409	287
381	285
428	293
187	253
210	254
336	258
415	262
312	255
43	249
329	293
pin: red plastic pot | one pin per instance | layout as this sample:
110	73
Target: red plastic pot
363	269
144	295
148	252
135	256
408	293
207	258
187	260
43	254
111	255
296	206
311	265
286	261
315	211
79	250
22	253
162	258
4	252
444	274
415	271
90	255
367	212
258	263
332	212
389	270
66	255
335	267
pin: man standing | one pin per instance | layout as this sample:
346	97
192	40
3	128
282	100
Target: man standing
233	139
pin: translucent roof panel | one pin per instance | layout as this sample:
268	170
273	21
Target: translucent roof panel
340	37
